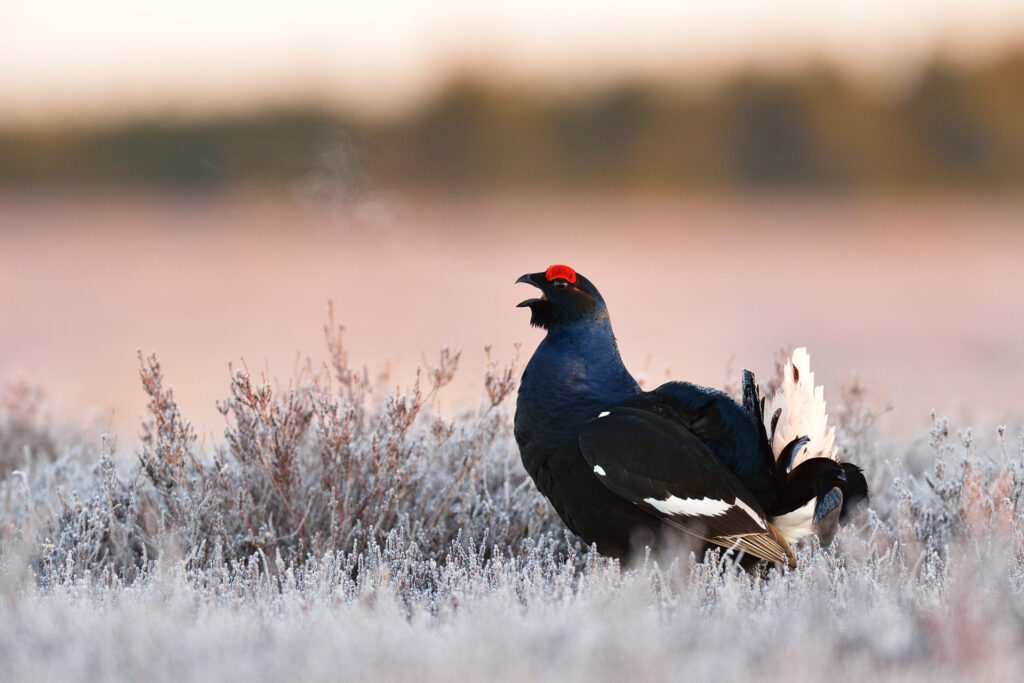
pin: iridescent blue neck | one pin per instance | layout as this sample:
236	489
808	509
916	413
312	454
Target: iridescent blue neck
577	371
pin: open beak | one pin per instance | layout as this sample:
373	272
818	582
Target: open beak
534	279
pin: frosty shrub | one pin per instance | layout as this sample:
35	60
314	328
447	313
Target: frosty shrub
328	463
339	528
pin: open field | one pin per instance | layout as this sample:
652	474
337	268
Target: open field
324	524
337	531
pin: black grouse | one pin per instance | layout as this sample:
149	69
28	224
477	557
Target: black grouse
622	466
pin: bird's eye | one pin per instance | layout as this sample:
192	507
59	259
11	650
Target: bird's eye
560	284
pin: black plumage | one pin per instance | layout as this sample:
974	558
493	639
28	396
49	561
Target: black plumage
817	485
622	466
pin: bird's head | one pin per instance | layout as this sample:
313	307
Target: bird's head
566	298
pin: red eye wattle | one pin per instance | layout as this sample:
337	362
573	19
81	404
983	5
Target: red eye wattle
560	273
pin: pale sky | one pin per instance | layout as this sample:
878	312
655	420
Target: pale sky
93	57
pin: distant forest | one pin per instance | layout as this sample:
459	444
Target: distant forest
953	128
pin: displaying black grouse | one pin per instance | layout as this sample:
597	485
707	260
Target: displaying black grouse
621	466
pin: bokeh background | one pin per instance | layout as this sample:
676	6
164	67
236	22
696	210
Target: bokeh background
736	177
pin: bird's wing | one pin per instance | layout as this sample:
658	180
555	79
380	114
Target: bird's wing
662	467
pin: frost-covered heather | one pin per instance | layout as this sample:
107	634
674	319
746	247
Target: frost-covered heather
340	532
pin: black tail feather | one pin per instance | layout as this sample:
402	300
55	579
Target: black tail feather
754	405
789	452
750	395
855	488
855	492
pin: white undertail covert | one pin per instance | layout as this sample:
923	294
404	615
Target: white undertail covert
804	412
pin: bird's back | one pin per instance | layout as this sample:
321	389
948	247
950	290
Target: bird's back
721	424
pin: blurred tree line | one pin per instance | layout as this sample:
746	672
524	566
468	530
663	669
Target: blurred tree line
953	127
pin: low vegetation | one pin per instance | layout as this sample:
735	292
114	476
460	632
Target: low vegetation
342	530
